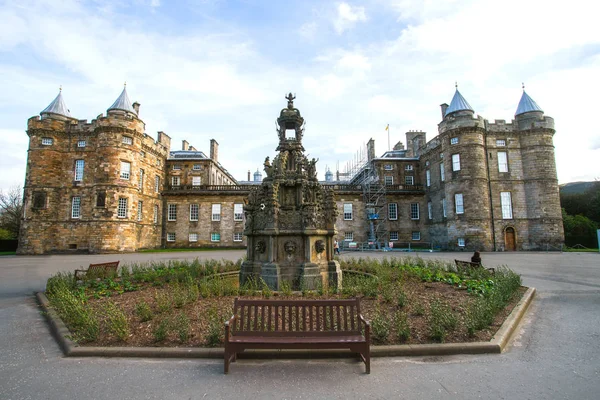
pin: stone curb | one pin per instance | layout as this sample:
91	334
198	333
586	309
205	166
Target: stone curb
496	345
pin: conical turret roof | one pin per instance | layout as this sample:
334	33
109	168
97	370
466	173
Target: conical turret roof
57	106
458	104
122	103
526	104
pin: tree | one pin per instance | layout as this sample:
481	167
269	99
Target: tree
580	230
11	210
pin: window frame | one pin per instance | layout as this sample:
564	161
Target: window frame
156	184
196	180
459	203
456	162
176	180
428	177
410	178
239	236
444	211
155	215
141	180
171	212
238	212
415	212
171	237
348	215
122	207
442	172
500	142
193	237
76	207
79	169
216	212
127	140
81	143
502	157
197	167
125	172
394	236
429	210
349	236
506	207
460	242
215	236
194	212
409	167
47	141
140	211
393	211
416	236
454	140
388	180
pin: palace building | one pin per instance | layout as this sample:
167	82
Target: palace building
107	186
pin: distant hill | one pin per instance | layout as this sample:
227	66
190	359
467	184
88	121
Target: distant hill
575	187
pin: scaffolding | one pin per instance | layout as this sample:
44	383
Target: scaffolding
361	171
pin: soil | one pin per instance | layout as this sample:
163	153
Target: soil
419	296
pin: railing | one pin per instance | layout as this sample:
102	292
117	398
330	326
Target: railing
381	246
210	188
388	188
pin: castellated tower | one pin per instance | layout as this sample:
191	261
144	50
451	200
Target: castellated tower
92	187
464	193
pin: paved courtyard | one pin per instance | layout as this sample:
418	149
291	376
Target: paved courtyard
554	354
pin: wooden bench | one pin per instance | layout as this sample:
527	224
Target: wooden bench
468	265
297	324
98	270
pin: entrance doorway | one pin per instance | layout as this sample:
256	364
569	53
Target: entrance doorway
509	239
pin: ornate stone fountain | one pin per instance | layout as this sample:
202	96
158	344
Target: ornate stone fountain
290	217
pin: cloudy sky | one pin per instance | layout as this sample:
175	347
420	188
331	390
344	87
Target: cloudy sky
220	69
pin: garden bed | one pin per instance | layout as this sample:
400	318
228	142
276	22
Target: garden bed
185	305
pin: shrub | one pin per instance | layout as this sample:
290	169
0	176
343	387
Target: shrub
163	301
143	311
215	334
162	330
182	326
116	321
380	327
402	326
441	320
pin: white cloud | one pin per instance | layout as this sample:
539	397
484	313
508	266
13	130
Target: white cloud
308	30
347	16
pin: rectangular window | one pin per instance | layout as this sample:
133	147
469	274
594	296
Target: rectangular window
196	180
140	213
143	154
428	177
394	235
414	211
122	207
197	167
172	212
176	166
193	237
409	180
429	210
194	210
389	180
238	212
506	203
216	212
455	162
348	236
416	236
392	211
125	170
157	184
76	207
155	216
79	164
81	143
127	140
442	173
39	200
347	211
502	162
171	237
175	181
141	180
237	237
461	242
408	168
454	140
442	156
215	237
444	208
101	199
388	167
501	142
46	141
458	203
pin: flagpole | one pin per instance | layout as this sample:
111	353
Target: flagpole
388	129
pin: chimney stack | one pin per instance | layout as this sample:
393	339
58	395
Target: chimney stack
444	108
214	150
136	107
248	175
370	149
185	145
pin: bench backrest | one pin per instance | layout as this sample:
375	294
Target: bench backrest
296	317
460	263
103	268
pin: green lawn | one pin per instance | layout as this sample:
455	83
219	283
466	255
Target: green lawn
186	249
7	253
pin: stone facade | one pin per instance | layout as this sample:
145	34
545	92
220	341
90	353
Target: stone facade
475	186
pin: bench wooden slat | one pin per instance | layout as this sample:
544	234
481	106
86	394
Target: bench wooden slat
101	270
298	324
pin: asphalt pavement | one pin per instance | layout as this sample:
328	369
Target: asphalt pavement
555	353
